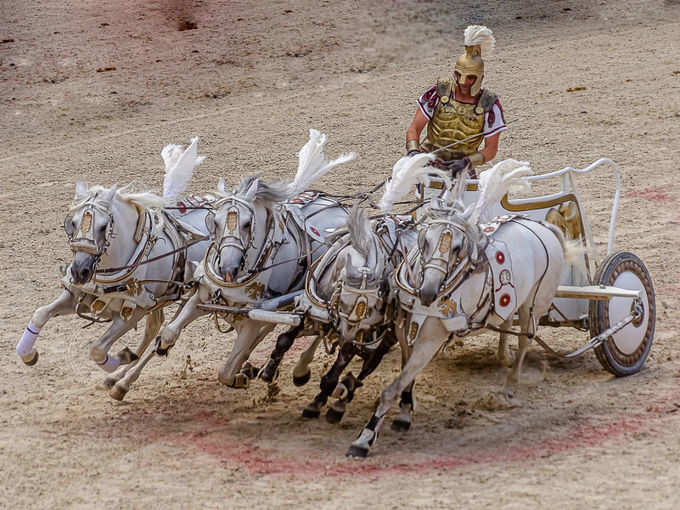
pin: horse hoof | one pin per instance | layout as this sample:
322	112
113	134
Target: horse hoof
357	452
118	392
162	352
250	371
333	416
31	359
303	379
400	425
110	382
311	411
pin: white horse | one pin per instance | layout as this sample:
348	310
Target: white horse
129	262
264	238
466	277
347	301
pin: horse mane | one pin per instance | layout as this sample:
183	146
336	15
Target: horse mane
270	193
145	199
360	233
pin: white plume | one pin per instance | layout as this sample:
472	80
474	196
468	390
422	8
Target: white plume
406	173
479	35
505	176
312	164
179	167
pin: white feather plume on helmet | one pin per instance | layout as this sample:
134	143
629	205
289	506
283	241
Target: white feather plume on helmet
479	35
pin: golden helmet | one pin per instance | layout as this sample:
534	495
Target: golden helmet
479	41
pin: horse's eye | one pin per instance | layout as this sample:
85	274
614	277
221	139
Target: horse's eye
102	228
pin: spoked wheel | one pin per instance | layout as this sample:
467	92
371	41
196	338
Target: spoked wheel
624	352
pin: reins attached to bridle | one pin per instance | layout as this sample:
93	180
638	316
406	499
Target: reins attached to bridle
147	261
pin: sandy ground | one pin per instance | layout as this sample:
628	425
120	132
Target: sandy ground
93	90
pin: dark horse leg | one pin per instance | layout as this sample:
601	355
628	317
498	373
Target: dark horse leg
349	384
283	343
330	381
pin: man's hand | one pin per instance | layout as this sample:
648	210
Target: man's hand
458	165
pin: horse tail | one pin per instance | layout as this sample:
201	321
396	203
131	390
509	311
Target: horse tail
572	250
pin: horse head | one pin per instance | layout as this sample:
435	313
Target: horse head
240	223
446	240
361	292
98	217
89	227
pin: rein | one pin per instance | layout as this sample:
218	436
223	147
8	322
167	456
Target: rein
153	259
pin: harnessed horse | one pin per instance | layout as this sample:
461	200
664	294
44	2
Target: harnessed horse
264	238
347	303
144	250
461	280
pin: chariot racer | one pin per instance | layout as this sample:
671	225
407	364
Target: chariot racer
459	113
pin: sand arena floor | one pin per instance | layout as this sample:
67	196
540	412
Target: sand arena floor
93	90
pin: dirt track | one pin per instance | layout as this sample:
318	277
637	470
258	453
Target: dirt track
250	80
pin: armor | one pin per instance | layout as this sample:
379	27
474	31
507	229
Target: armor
453	122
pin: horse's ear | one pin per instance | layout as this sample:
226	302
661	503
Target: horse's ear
252	190
81	189
222	186
110	194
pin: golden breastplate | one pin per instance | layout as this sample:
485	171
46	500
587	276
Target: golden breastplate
453	121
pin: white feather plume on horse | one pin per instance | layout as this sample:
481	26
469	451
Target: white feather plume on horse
179	167
312	163
505	176
406	173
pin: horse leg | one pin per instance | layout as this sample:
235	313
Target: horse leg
99	353
328	383
250	333
64	304
423	351
283	343
154	321
302	372
503	347
171	331
524	341
345	390
120	388
402	423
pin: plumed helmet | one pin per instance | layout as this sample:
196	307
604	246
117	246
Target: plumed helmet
479	41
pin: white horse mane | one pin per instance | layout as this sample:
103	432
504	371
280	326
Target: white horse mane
360	233
144	199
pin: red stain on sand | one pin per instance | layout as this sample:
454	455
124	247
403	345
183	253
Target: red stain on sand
265	461
652	194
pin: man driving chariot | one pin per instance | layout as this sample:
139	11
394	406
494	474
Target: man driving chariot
459	114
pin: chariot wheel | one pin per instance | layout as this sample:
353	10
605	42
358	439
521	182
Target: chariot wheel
624	352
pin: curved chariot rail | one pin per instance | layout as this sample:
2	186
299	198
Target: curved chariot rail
568	184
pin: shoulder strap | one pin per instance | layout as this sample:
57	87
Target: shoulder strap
444	89
487	100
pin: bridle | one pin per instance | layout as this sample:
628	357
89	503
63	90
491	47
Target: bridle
85	238
231	235
440	260
367	295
